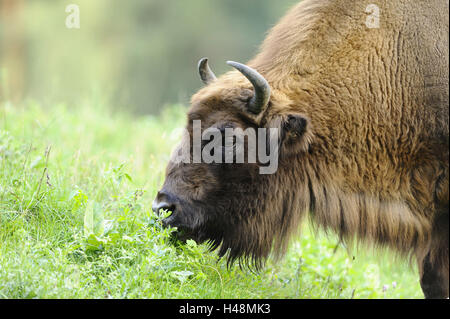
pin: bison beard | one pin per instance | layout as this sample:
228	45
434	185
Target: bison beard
363	124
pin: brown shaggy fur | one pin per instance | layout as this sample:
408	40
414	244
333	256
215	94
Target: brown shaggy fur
372	163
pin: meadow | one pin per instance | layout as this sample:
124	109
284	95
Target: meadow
76	187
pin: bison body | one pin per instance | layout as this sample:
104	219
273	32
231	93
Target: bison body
362	112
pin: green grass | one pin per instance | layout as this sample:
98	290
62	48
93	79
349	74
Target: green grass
76	186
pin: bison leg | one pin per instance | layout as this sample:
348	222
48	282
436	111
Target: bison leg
434	279
434	268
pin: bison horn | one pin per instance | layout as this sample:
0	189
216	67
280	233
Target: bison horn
262	88
205	72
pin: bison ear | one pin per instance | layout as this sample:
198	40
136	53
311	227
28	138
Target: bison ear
294	133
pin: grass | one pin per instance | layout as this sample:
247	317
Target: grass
76	186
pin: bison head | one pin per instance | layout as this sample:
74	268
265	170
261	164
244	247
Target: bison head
233	205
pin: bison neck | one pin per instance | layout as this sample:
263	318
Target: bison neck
352	214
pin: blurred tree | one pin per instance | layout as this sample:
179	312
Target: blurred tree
142	54
12	44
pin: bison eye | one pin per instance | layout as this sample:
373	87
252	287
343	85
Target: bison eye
233	139
219	143
208	141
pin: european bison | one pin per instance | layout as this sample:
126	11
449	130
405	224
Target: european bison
358	91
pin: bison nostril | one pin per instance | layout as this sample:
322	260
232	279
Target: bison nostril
157	206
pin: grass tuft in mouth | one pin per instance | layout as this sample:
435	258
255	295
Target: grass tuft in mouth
163	214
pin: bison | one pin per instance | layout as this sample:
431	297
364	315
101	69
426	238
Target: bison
358	92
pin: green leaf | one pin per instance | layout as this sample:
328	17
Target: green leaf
94	222
89	219
37	162
182	275
94	243
114	237
191	243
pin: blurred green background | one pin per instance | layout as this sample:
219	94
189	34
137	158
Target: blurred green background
142	54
